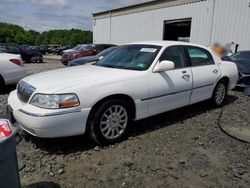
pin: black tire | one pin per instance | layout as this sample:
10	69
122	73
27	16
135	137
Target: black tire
2	84
222	84
94	123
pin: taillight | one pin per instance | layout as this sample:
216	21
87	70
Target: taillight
17	62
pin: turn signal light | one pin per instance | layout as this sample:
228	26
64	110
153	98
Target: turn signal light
69	104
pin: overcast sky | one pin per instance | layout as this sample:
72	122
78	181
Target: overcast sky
42	15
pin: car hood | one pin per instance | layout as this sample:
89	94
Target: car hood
69	50
60	80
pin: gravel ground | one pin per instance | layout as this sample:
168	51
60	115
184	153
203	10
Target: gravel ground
182	148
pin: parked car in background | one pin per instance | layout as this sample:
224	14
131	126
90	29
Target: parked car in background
11	69
83	51
135	81
242	60
89	59
40	49
72	49
2	49
11	49
59	51
29	55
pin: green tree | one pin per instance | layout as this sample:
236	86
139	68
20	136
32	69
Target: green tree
10	33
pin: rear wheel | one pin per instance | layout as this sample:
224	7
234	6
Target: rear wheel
109	123
220	93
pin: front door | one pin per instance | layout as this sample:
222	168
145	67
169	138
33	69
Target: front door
170	89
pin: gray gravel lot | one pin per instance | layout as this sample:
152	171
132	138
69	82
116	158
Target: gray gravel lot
182	148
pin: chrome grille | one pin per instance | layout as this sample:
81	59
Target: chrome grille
24	91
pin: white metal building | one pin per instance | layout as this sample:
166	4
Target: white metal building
199	21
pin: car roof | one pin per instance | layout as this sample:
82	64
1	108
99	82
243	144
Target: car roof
167	43
104	44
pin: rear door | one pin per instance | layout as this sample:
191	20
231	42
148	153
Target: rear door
205	73
170	89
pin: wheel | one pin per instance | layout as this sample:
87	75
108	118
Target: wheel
32	60
109	123
220	93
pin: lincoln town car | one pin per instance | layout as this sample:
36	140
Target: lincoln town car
133	82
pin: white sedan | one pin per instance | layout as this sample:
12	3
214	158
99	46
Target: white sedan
11	69
133	82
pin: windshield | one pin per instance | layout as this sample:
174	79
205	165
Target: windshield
133	57
76	47
83	47
241	56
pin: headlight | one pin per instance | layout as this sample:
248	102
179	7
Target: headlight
55	101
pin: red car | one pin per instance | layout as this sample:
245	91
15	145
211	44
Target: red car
83	51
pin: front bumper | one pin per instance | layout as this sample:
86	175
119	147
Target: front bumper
47	123
244	80
64	62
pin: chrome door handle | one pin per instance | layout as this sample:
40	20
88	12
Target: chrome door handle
186	76
215	71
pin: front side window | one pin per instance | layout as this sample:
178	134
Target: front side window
199	56
176	55
134	57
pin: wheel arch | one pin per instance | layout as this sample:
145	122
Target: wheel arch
226	79
123	97
2	80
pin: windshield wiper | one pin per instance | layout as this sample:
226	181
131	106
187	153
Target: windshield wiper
109	66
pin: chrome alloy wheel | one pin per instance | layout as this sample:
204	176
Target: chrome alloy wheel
220	93
114	122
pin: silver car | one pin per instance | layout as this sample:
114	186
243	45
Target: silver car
11	69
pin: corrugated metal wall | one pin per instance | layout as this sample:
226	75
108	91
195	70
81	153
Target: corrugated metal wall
232	22
101	31
225	21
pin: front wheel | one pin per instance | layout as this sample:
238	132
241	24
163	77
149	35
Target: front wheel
220	93
109	122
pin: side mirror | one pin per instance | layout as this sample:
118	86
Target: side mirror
101	57
164	66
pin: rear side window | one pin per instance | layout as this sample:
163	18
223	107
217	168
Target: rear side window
199	56
176	55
